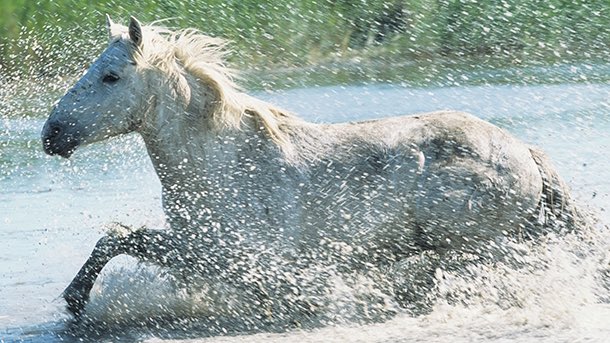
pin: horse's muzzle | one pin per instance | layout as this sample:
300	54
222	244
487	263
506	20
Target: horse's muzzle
57	140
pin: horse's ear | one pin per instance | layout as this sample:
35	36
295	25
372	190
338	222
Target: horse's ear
135	31
109	25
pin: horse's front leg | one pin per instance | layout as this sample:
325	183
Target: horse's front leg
147	245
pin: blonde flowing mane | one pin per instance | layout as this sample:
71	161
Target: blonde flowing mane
188	51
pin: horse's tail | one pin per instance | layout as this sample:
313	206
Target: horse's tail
557	210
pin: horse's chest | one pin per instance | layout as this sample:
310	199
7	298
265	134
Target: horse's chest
255	214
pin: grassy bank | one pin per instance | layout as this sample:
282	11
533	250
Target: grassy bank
60	36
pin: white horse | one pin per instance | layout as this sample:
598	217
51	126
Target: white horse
244	181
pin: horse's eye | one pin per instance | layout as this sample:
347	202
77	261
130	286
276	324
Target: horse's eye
110	78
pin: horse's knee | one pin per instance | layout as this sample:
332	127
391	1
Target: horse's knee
413	281
76	295
155	246
135	243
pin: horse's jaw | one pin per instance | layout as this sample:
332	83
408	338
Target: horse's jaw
64	150
65	155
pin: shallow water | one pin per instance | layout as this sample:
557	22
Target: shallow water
53	211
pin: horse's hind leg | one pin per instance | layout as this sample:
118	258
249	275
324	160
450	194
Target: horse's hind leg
147	245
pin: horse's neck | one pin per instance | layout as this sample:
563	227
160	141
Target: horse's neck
186	149
209	178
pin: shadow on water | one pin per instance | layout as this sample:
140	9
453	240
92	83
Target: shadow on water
74	331
83	330
553	291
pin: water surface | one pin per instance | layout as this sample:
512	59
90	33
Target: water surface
52	212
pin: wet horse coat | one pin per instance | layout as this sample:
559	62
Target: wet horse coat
243	178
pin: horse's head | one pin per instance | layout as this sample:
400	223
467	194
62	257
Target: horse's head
108	100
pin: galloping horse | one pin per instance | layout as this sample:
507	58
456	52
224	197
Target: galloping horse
242	179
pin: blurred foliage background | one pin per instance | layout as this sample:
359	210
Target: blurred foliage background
58	37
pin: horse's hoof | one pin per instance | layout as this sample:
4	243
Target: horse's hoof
75	307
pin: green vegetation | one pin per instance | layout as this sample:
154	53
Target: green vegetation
57	37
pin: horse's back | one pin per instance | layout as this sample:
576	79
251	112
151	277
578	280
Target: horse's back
448	142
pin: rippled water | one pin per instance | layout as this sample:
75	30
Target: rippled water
53	211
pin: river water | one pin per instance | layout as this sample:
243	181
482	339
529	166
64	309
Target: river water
52	211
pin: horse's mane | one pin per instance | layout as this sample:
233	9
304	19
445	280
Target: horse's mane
188	51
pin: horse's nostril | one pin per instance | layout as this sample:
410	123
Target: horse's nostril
52	131
55	130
